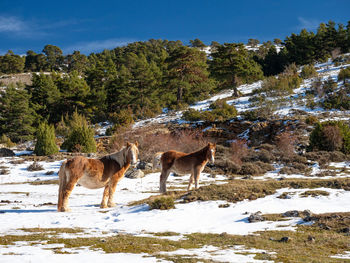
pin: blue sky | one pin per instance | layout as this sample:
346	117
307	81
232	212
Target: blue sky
91	26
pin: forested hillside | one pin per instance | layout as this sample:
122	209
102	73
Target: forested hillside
138	80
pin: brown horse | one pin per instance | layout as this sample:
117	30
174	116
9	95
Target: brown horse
95	173
184	163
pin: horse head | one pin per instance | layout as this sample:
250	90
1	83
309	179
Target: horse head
211	149
132	152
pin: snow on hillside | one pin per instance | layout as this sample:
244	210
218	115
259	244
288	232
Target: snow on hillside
325	70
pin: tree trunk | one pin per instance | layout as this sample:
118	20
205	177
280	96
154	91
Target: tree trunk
179	94
235	90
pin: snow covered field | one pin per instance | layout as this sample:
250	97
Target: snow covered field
23	205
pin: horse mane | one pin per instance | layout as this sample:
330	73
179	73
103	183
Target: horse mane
118	157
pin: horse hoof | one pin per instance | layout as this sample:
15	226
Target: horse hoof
64	209
112	205
103	206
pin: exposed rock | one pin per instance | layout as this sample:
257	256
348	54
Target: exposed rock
256	217
134	173
311	239
346	230
291	213
307	212
4	152
285	239
144	166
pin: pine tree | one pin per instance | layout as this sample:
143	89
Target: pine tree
16	117
81	136
54	57
74	93
11	63
188	75
232	64
45	97
197	43
45	140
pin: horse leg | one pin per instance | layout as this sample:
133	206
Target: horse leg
163	177
197	173
189	187
112	188
105	197
66	190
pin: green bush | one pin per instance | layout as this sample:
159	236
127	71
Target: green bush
45	140
162	203
330	136
6	141
123	118
311	120
344	74
220	111
283	85
308	71
81	137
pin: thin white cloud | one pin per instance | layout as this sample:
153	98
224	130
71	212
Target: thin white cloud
11	24
309	24
34	28
98	45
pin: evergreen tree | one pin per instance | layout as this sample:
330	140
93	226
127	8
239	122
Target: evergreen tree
45	140
188	75
54	57
231	64
253	42
16	117
74	93
45	97
77	62
11	63
197	43
301	48
81	136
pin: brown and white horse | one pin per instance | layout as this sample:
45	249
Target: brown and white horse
184	163
95	173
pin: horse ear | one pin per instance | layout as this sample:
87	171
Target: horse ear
128	144
137	144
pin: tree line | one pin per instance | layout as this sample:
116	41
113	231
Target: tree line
138	80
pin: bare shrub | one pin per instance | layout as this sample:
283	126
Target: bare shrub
264	167
35	167
335	53
151	141
285	143
265	156
333	138
267	146
337	156
239	150
250	169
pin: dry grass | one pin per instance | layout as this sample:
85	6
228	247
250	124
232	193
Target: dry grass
315	243
239	190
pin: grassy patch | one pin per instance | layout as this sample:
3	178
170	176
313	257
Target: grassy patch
307	244
239	190
314	193
162	203
44	182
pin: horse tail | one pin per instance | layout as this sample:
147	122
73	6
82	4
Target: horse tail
62	184
156	160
